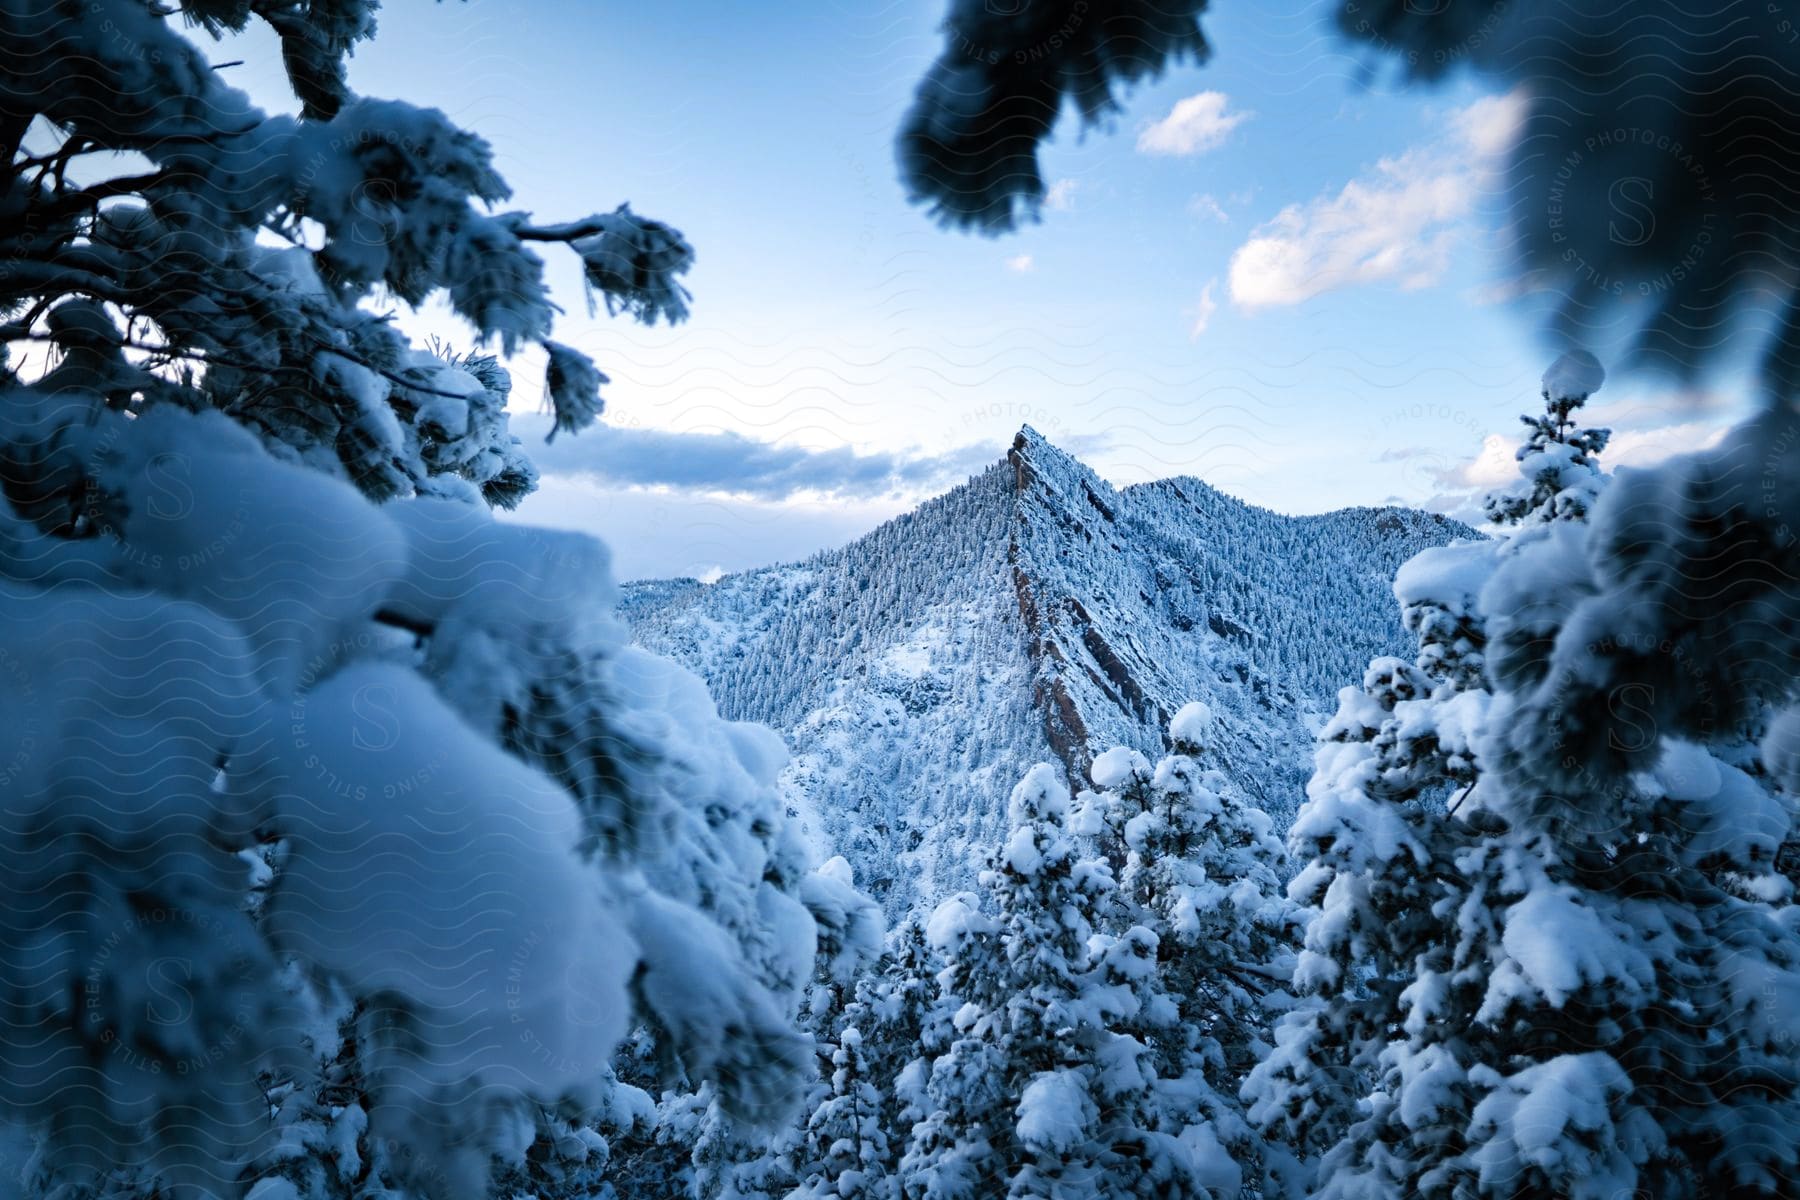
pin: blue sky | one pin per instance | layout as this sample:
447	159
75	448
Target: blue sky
1273	273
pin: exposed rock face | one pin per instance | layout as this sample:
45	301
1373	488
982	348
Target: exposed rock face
1036	613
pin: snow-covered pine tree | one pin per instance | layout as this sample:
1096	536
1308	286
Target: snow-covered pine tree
1514	994
226	659
655	1157
952	1150
735	1160
846	1152
1559	469
851	943
1375	855
1625	709
1382	870
1048	898
1381	855
1199	872
898	1001
876	1090
1037	1093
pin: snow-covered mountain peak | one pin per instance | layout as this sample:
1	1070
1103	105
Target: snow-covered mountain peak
1038	463
1036	613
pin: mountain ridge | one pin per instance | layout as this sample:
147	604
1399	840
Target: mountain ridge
1035	612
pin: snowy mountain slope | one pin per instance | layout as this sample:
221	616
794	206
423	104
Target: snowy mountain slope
1036	613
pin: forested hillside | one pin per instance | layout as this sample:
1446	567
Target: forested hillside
1036	612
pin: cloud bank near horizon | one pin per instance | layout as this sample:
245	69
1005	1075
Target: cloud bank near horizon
732	464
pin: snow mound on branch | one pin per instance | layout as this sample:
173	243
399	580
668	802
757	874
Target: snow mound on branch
849	923
1212	1163
1190	725
1040	795
413	841
464	566
1546	1117
1781	749
1113	767
1055	1112
295	574
1576	373
1557	944
685	994
1022	854
1726	814
954	922
273	1188
1450	577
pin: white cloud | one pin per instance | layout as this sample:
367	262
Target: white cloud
1489	125
1207	207
1208	306
663	534
1494	465
1395	224
1647	447
730	464
1020	263
1061	195
1645	432
1193	126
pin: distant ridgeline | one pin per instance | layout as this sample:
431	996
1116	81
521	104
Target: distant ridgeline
1037	613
